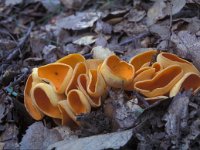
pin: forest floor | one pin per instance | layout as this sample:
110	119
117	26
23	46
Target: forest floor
35	33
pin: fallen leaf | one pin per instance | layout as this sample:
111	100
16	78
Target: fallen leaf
161	9
65	132
156	12
38	40
79	21
105	141
122	113
189	24
101	41
103	27
94	123
39	137
49	52
12	2
51	5
177	115
129	28
177	5
100	52
71	48
161	29
187	46
136	15
85	40
9	137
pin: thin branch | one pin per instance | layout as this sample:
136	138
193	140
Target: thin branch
170	24
142	35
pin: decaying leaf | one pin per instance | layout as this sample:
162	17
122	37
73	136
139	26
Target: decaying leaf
161	30
97	142
100	52
122	113
49	53
176	116
136	15
130	28
94	123
12	2
79	21
162	8
39	137
38	40
71	48
65	133
51	6
9	137
103	27
187	46
156	12
85	40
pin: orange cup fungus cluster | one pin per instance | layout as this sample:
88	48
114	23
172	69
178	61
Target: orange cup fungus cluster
72	85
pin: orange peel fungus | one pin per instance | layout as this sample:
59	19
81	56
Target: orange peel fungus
72	85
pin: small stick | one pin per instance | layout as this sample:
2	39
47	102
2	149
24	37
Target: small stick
170	25
142	35
19	79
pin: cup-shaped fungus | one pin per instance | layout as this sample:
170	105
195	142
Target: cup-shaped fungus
57	74
146	72
145	75
28	102
140	59
45	98
79	69
161	82
67	116
92	64
72	60
154	99
117	73
142	74
158	67
82	85
155	65
168	59
78	103
35	77
190	81
96	85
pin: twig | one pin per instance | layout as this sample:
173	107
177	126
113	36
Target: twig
119	52
170	24
20	45
88	55
19	79
142	35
